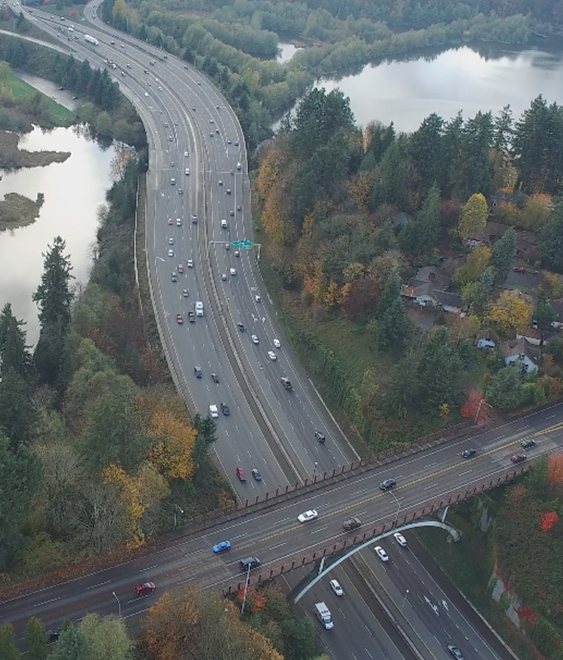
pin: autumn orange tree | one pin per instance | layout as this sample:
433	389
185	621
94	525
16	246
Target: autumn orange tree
203	625
510	314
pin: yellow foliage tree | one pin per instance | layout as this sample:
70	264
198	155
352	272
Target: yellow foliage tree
537	211
473	217
272	167
120	9
474	267
129	487
275	223
361	187
172	454
315	281
354	271
332	295
510	313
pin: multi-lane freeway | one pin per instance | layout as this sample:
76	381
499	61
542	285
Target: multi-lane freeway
196	146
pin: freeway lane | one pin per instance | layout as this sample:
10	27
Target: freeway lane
274	534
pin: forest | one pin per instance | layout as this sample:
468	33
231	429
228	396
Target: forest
235	42
393	254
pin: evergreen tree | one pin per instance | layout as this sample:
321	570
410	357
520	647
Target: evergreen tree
19	476
477	295
503	254
14	353
426	151
420	237
393	326
401	394
439	371
72	645
544	314
380	137
551	241
17	412
8	648
475	172
35	640
53	298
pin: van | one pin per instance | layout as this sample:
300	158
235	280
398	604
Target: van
324	616
249	563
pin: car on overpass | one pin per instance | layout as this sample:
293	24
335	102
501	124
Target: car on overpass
222	547
307	516
145	588
387	484
469	453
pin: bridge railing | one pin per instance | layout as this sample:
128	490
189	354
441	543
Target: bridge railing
344	542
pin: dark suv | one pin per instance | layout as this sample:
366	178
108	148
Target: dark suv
528	444
387	484
249	564
197	371
469	453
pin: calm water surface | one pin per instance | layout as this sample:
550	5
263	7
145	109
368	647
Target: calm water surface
457	79
74	190
286	52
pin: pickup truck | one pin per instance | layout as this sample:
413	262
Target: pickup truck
287	384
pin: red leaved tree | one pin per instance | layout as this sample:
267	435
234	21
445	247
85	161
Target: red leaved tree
475	407
549	520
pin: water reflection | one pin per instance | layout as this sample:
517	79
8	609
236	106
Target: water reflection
286	52
73	190
457	79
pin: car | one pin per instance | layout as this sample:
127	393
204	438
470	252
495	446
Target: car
172	164
170	222
518	458
62	89
172	181
180	268
320	437
528	444
170	253
180	191
469	453
240	326
145	588
401	540
277	343
272	356
248	564
146	93
233	271
519	269
257	476
198	372
185	154
225	409
170	241
240	474
239	208
193	108
211	134
258	299
178	222
222	547
255	339
128	65
185	293
174	277
380	552
335	586
231	213
228	191
170	138
351	523
387	484
53	634
194	219
217	131
191	317
187	171
214	378
220	182
236	143
180	319
457	654
307	516
237	253
190	263
75	98
223	224
224	277
211	121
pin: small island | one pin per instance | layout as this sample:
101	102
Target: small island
19	211
12	158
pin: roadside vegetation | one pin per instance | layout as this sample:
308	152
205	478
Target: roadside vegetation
235	42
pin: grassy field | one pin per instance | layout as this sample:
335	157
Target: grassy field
20	89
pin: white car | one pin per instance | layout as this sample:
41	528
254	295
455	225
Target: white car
223	224
170	253
272	356
233	271
380	552
258	299
170	241
178	222
185	154
224	277
307	516
187	171
190	263
277	343
335	586
255	339
401	540
185	293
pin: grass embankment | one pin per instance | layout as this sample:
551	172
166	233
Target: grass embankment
470	563
19	89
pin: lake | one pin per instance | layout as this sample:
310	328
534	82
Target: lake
74	190
454	80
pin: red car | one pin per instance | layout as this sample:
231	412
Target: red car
240	474
145	588
519	269
170	221
518	458
180	268
179	318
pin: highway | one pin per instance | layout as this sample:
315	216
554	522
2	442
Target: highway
274	535
269	428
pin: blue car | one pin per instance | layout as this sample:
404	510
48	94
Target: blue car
221	547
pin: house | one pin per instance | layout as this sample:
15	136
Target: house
450	302
519	352
486	342
531	335
497	199
557	304
421	294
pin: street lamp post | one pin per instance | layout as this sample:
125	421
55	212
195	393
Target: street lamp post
398	508
118	602
179	508
404	599
245	588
